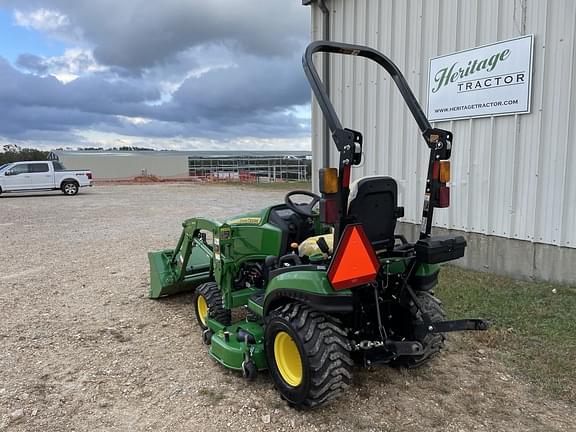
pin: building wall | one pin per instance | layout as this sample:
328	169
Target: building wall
119	165
513	177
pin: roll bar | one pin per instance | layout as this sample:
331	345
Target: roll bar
348	141
360	51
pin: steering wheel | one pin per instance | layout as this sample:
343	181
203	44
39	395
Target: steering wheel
303	209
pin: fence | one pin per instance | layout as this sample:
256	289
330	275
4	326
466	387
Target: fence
250	169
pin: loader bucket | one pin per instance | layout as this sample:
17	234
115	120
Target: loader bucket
168	277
163	277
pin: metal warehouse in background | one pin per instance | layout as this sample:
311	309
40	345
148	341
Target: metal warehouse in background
513	187
233	165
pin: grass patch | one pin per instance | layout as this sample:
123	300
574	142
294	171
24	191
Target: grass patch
213	397
534	325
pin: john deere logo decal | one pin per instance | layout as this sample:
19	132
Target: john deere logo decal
246	221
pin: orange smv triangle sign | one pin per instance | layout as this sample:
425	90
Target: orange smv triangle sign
355	262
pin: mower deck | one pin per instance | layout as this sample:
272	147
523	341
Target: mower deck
232	345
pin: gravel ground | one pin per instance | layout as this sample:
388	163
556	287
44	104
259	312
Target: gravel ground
83	349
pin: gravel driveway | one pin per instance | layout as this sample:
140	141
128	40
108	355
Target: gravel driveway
83	349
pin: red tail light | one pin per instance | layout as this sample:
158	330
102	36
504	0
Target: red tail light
435	170
329	210
89	175
443	197
355	262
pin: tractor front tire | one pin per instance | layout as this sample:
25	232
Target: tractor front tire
308	355
432	343
208	303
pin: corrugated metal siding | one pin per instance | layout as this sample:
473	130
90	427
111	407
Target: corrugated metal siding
110	166
512	176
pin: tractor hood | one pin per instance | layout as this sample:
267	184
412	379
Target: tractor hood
251	218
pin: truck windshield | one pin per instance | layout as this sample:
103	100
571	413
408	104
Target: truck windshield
3	167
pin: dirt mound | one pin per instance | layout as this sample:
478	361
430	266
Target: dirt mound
147	179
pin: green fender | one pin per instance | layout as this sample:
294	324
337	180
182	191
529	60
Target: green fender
306	286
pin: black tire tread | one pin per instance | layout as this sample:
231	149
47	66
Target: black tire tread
433	343
327	348
213	297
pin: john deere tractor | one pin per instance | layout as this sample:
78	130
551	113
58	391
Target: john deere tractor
325	281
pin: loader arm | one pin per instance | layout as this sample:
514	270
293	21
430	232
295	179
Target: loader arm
189	264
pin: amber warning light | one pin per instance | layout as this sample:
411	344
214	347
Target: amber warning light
355	262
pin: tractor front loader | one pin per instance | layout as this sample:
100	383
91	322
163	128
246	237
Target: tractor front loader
324	290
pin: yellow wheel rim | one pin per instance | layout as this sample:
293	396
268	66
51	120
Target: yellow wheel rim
288	359
202	308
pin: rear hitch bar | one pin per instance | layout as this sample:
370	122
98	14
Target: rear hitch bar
375	352
428	326
454	325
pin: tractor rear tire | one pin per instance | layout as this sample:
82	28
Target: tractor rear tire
308	355
432	343
208	303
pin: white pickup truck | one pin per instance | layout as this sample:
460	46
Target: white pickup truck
42	175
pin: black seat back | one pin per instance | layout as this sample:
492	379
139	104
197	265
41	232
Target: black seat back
373	203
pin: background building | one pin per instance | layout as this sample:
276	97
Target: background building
514	176
251	168
201	165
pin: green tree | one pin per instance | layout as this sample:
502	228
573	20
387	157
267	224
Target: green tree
13	153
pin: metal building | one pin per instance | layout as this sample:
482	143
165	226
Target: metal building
120	165
172	164
251	168
513	181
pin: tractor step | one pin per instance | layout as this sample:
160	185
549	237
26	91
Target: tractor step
256	302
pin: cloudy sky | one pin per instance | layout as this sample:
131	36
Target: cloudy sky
179	74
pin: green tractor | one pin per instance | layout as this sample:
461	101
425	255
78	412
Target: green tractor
324	289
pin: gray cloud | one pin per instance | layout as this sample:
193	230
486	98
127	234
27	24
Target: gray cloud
32	63
218	69
251	99
254	85
136	34
86	94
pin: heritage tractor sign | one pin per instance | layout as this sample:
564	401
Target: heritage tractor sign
485	81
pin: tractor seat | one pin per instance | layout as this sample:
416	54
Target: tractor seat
373	202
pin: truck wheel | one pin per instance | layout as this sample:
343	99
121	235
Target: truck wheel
432	342
70	188
208	303
308	355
